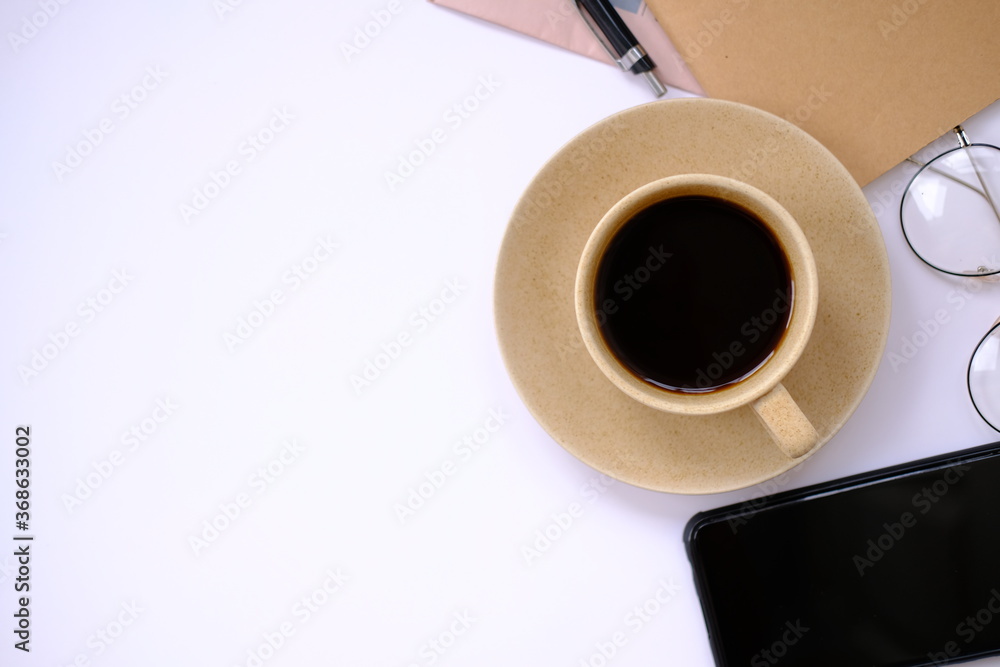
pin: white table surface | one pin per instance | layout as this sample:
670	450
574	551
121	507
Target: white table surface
134	303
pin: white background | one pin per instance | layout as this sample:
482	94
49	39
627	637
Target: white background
117	547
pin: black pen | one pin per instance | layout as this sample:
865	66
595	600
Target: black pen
611	31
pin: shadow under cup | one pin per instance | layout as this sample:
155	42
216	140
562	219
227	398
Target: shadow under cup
696	294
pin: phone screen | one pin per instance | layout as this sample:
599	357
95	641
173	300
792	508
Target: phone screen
897	567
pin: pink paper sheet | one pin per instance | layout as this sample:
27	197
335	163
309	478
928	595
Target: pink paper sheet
559	23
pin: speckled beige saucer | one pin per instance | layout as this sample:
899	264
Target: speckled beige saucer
534	292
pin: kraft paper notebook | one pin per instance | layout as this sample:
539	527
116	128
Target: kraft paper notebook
873	80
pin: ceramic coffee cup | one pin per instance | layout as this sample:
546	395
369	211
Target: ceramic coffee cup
696	294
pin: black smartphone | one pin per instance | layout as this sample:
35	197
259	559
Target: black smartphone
900	566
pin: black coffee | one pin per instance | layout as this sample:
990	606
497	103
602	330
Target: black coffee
693	294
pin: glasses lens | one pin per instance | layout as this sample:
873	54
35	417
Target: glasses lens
984	377
950	211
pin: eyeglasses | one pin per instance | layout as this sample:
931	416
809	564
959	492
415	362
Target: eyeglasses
951	221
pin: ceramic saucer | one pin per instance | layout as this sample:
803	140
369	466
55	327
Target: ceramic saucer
534	291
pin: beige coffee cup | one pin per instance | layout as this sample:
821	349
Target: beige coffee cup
762	390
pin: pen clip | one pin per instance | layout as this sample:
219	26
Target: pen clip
601	38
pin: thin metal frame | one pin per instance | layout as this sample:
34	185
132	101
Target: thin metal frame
968	374
963	143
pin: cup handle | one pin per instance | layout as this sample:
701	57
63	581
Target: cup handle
784	421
